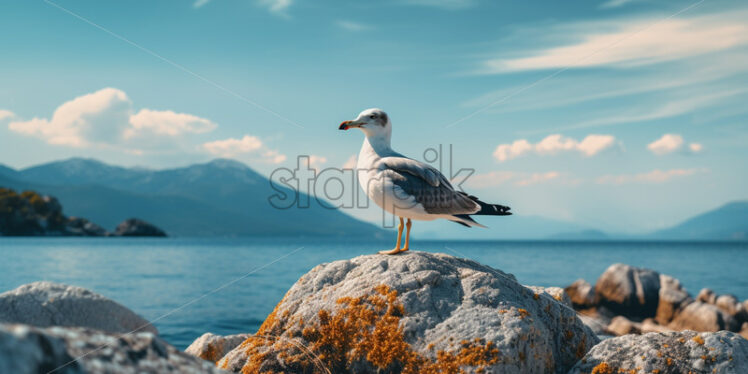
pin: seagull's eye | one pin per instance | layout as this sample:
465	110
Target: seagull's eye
373	116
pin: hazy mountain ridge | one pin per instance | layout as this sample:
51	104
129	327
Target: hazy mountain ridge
227	198
219	198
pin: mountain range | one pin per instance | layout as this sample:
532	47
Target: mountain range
227	198
218	198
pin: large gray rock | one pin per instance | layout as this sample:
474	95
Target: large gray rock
64	350
213	347
413	312
628	291
52	304
664	353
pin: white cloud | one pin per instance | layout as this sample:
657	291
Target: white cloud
276	6
552	144
105	118
443	4
670	143
232	147
519	179
352	26
351	162
615	3
536	178
633	43
82	121
166	122
248	148
654	176
695	147
316	161
6	114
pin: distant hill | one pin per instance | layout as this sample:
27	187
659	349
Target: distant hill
728	222
219	198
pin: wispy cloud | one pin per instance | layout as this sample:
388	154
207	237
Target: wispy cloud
652	111
200	3
518	179
670	143
351	162
274	6
615	3
106	118
443	4
654	176
633	43
248	148
352	26
6	114
552	144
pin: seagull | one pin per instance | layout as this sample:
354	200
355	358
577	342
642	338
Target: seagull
407	188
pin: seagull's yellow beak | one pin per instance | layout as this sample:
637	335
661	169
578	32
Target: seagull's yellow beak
349	124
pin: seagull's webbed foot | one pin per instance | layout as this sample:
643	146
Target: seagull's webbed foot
392	251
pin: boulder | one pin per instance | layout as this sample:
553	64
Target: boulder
413	312
581	293
557	293
701	316
650	325
672	297
29	350
51	304
628	291
213	347
137	227
596	323
674	352
744	330
706	295
729	304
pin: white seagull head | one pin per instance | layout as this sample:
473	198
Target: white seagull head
374	122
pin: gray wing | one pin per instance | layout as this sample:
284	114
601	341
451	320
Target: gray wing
428	186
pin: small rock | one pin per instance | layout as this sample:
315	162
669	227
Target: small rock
137	227
31	350
621	325
706	295
672	298
211	347
83	227
51	304
729	304
629	291
581	293
556	293
700	316
675	352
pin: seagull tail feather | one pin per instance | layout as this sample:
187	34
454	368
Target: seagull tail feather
466	220
489	209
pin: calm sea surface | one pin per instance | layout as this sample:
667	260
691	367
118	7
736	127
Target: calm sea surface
184	285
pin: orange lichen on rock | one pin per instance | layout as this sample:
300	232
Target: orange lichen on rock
698	339
363	332
523	313
603	368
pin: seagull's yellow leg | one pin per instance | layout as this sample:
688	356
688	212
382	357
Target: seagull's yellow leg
399	237
407	235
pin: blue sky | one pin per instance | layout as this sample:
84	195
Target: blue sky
623	115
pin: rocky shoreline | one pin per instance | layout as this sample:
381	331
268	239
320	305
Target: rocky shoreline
412	313
32	214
